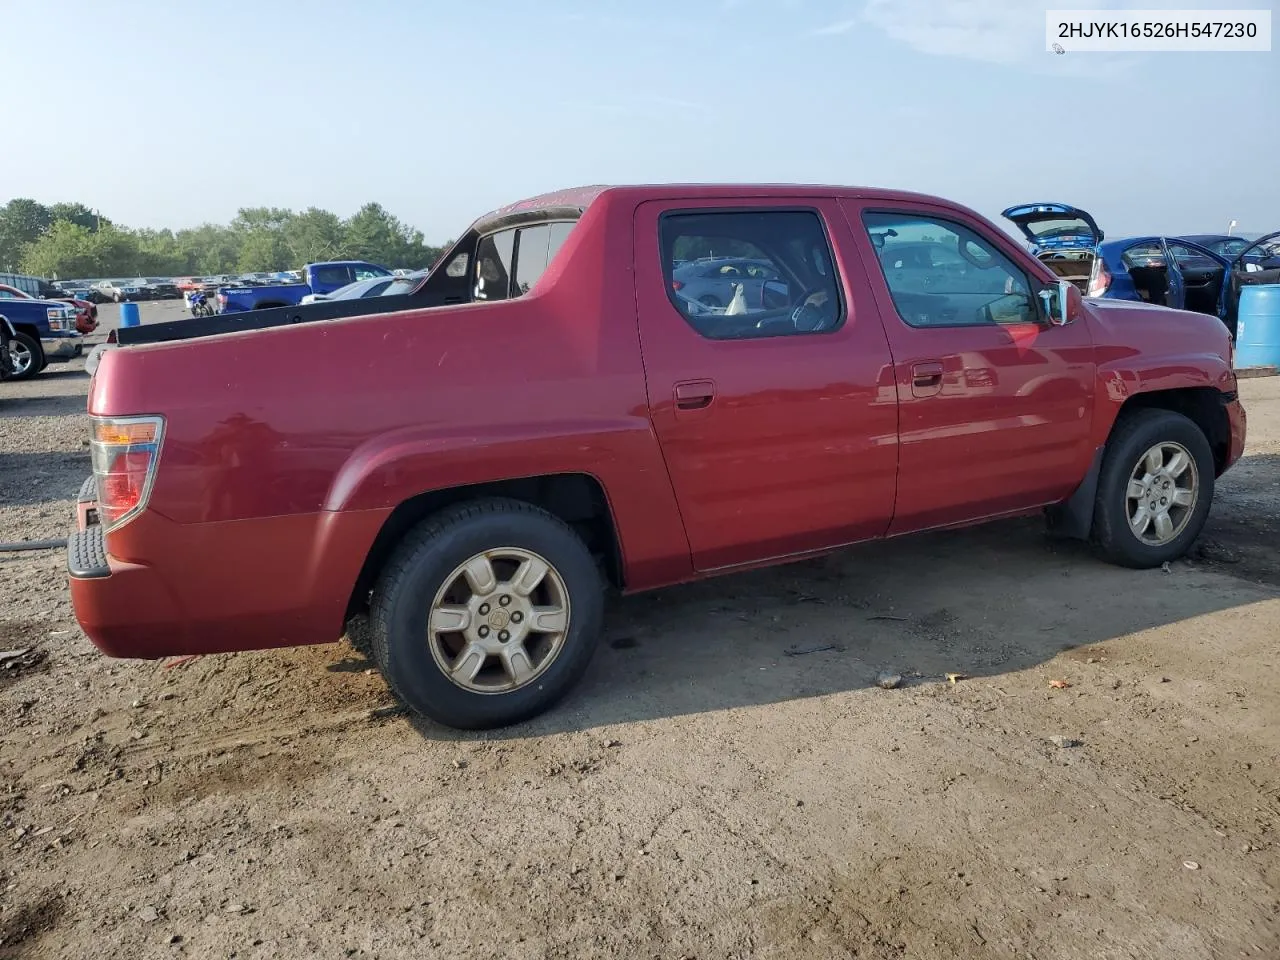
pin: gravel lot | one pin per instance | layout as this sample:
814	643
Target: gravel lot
729	781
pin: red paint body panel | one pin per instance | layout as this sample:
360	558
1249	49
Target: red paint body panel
798	449
1007	428
286	449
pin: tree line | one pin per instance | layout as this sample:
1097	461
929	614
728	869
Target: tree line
70	241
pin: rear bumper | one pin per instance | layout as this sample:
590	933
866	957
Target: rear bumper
214	587
61	349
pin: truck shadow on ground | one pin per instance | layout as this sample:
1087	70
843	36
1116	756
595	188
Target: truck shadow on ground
984	602
27	479
16	407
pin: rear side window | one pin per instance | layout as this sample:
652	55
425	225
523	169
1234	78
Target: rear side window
536	247
494	256
527	250
336	276
1144	255
743	275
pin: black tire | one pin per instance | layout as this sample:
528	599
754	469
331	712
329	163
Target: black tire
1131	437
37	363
418	569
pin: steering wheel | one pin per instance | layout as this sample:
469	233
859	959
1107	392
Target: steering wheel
812	317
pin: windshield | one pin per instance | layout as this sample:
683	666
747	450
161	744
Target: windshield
1265	248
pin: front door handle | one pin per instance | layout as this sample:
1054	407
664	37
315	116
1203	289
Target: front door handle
926	378
694	394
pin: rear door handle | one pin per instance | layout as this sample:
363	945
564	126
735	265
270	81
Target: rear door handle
694	394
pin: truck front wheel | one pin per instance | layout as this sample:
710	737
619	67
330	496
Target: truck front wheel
487	614
1155	489
25	357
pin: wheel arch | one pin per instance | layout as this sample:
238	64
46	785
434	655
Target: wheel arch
579	499
1203	406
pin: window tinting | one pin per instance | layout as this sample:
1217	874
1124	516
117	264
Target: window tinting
536	247
749	274
531	256
493	266
942	274
337	276
1144	255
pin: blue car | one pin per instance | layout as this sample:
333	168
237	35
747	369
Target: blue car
1176	272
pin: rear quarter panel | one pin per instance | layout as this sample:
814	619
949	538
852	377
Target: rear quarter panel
371	411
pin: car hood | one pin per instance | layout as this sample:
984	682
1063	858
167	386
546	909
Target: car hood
1130	327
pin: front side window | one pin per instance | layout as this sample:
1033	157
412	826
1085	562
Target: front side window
748	274
1184	255
943	274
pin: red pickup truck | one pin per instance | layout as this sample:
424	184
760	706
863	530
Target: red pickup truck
550	413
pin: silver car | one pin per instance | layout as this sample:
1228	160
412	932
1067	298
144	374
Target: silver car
370	287
712	281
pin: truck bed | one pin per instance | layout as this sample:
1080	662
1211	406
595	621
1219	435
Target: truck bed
196	327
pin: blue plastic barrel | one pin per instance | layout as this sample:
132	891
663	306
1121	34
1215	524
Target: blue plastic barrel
1258	326
129	315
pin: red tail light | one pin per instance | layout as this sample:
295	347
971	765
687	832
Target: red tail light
124	452
676	284
1099	279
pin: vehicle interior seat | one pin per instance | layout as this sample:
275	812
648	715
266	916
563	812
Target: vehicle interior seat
1152	283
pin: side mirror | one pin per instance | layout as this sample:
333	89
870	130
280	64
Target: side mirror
1058	307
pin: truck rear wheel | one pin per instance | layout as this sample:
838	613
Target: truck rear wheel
487	614
1155	489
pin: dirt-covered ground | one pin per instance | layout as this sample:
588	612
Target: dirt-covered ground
729	780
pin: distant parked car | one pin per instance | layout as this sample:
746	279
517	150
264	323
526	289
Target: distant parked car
1165	271
44	333
125	291
163	290
86	313
322	278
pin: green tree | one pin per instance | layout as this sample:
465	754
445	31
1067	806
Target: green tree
159	254
374	234
78	213
209	249
72	240
22	221
313	236
68	250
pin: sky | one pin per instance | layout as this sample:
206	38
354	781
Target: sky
165	114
